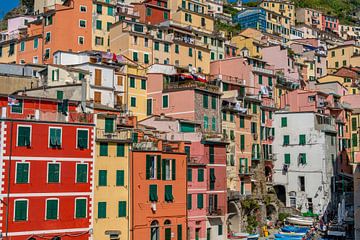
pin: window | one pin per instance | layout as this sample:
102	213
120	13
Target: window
213	124
220	229
353	124
254	108
48	20
212	178
260	79
82	23
82	138
110	11
47	53
153	197
212	56
168	169
81	40
146	58
200	201
205	101
242	142
283	122
302	139
52	209
287	158
12	49
213	102
165	101
168	193
302	158
21	210
98	24
189	202
190	52
99	41
122	209
200	55
83	8
17	108
108	26
242	121
302	183
22	172
206	122
286	140
103	149
120	177
55	135
102	178
200	175
80	208
133	102
135	56
157	46
148	12
81	173
24	136
153	168
22	46
211	154
166	47
179	232
101	209
53	173
98	9
189	175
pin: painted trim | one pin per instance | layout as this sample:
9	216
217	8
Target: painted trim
58	207
11	234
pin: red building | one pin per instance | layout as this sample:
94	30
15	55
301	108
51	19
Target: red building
47	153
330	23
152	11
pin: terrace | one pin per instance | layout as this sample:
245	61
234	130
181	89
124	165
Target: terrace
188	82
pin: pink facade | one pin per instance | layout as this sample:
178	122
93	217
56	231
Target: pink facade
330	23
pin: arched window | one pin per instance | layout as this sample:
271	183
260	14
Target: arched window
167	222
154	230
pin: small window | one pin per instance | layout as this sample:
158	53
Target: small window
120	177
302	183
143	84
101	209
104	149
153	197
283	122
80	208
82	138
153	168
81	40
52	209
133	101
82	23
165	101
132	82
168	193
21	210
122	209
98	24
99	9
17	106
55	136
47	54
83	9
81	173
102	178
53	173
24	136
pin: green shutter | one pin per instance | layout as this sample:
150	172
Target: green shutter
146	58
135	137
22	173
120	150
103	149
242	142
263	116
80	211
187	127
82	139
143	84
81	173
148	165
254	108
149	107
165	101
353	124
302	139
23	136
176	48
189	175
212	178
122	208
283	122
286	140
101	209
354	140
156	46
179	232
153	197
220	229
205	101
242	121
132	82
206	122
99	8
211	154
120	177
260	79
303	158
167	233
52	209
173	169
36	43
109	125
200	200
17	108
21	209
213	102
55	137
189	202
110	11
200	175
59	94
168	193
102	177
163	168
53	173
287	158
213	124
98	24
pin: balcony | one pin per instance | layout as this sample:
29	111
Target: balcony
215	211
263	70
117	136
191	84
228	79
286	82
245	171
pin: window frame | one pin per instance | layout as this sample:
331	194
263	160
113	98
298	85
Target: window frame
27	209
162	101
82	20
87	173
47	175
16	172
57	211
61	135
86	207
82	6
77	137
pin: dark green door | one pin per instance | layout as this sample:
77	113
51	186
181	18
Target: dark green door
208	236
167	233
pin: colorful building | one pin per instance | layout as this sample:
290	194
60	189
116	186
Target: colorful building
330	23
282	7
342	56
47	153
152	12
310	17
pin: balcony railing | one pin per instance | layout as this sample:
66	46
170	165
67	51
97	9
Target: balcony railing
218	211
119	135
191	85
263	70
245	171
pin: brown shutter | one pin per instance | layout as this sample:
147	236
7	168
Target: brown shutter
98	77
120	80
119	100
97	97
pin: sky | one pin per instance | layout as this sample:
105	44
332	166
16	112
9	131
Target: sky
6	5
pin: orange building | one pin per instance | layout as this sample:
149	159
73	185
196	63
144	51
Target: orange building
158	191
68	27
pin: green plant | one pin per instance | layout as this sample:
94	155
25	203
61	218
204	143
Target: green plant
283	216
249	205
252	224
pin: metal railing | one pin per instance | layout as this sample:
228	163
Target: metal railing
191	84
118	135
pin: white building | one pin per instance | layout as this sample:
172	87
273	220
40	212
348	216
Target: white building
306	153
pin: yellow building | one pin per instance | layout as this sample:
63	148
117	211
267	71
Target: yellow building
278	24
355	124
192	13
103	18
346	82
111	205
283	7
342	56
8	51
249	44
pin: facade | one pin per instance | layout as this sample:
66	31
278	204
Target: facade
342	56
8	51
153	12
48	158
309	17
330	23
284	8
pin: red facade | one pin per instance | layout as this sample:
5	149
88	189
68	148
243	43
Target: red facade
32	188
153	12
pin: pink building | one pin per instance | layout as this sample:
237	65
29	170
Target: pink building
330	23
15	26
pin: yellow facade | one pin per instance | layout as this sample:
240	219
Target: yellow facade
251	44
284	8
278	24
346	82
8	52
354	125
192	13
103	18
113	190
342	56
